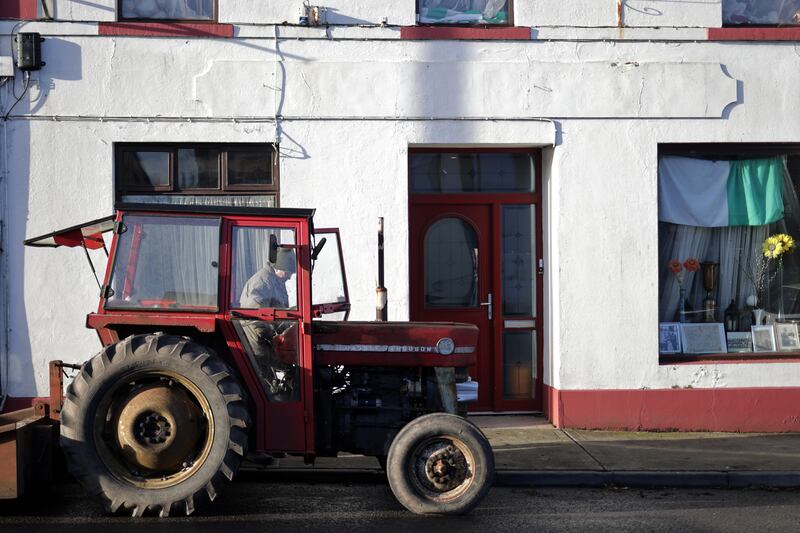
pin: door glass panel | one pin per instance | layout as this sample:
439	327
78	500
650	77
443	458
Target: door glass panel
451	264
519	260
273	349
519	370
257	283
456	172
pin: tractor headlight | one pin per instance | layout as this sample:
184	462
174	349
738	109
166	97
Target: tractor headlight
445	346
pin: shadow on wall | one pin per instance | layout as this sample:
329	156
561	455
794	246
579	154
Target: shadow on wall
726	113
19	378
63	63
334	17
60	5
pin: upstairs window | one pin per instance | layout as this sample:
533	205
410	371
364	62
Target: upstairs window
464	11
198	173
761	12
183	10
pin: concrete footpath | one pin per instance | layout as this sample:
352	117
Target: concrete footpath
529	451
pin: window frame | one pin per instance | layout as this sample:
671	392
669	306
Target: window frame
727	151
508	23
213	20
222	189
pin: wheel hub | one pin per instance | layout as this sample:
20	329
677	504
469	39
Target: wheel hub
159	428
443	467
152	428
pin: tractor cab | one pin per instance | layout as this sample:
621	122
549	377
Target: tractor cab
224	329
205	270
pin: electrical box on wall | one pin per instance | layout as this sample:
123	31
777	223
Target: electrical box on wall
28	51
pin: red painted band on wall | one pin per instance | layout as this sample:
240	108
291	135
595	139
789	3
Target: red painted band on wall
18	9
165	29
774	410
442	33
754	34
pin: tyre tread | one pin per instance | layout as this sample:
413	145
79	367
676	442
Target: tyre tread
160	345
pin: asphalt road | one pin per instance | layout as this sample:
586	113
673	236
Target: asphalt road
261	504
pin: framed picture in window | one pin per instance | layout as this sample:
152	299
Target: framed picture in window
763	338
703	338
786	336
669	337
740	341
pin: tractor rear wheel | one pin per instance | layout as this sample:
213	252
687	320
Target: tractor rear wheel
440	464
154	424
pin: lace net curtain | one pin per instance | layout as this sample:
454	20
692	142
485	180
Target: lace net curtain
732	248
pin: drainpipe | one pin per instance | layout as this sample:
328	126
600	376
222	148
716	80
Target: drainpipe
620	13
4	329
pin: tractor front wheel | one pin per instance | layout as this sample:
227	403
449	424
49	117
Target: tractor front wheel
440	464
154	424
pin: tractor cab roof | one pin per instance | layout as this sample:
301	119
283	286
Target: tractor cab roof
89	234
267	212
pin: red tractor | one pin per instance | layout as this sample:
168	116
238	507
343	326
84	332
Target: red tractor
217	343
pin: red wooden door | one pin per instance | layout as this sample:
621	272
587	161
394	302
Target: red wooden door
451	277
475	237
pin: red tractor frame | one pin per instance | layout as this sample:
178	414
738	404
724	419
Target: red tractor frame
191	380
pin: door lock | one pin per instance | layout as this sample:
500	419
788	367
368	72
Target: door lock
488	305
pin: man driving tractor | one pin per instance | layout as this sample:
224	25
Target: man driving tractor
267	289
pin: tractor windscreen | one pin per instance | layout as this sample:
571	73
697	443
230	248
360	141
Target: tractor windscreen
164	262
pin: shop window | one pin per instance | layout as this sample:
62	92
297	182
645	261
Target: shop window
464	11
199	173
761	12
729	217
184	10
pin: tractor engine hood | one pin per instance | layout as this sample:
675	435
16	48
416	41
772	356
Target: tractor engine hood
409	344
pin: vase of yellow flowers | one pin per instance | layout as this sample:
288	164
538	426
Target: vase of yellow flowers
773	250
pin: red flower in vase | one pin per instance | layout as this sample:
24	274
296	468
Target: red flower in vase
691	264
674	266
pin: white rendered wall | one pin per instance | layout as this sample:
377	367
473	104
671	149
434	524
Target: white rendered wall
677	13
600	180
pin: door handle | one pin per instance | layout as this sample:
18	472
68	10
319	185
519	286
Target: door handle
488	305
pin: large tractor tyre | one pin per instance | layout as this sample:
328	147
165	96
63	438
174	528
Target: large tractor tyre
440	464
154	424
